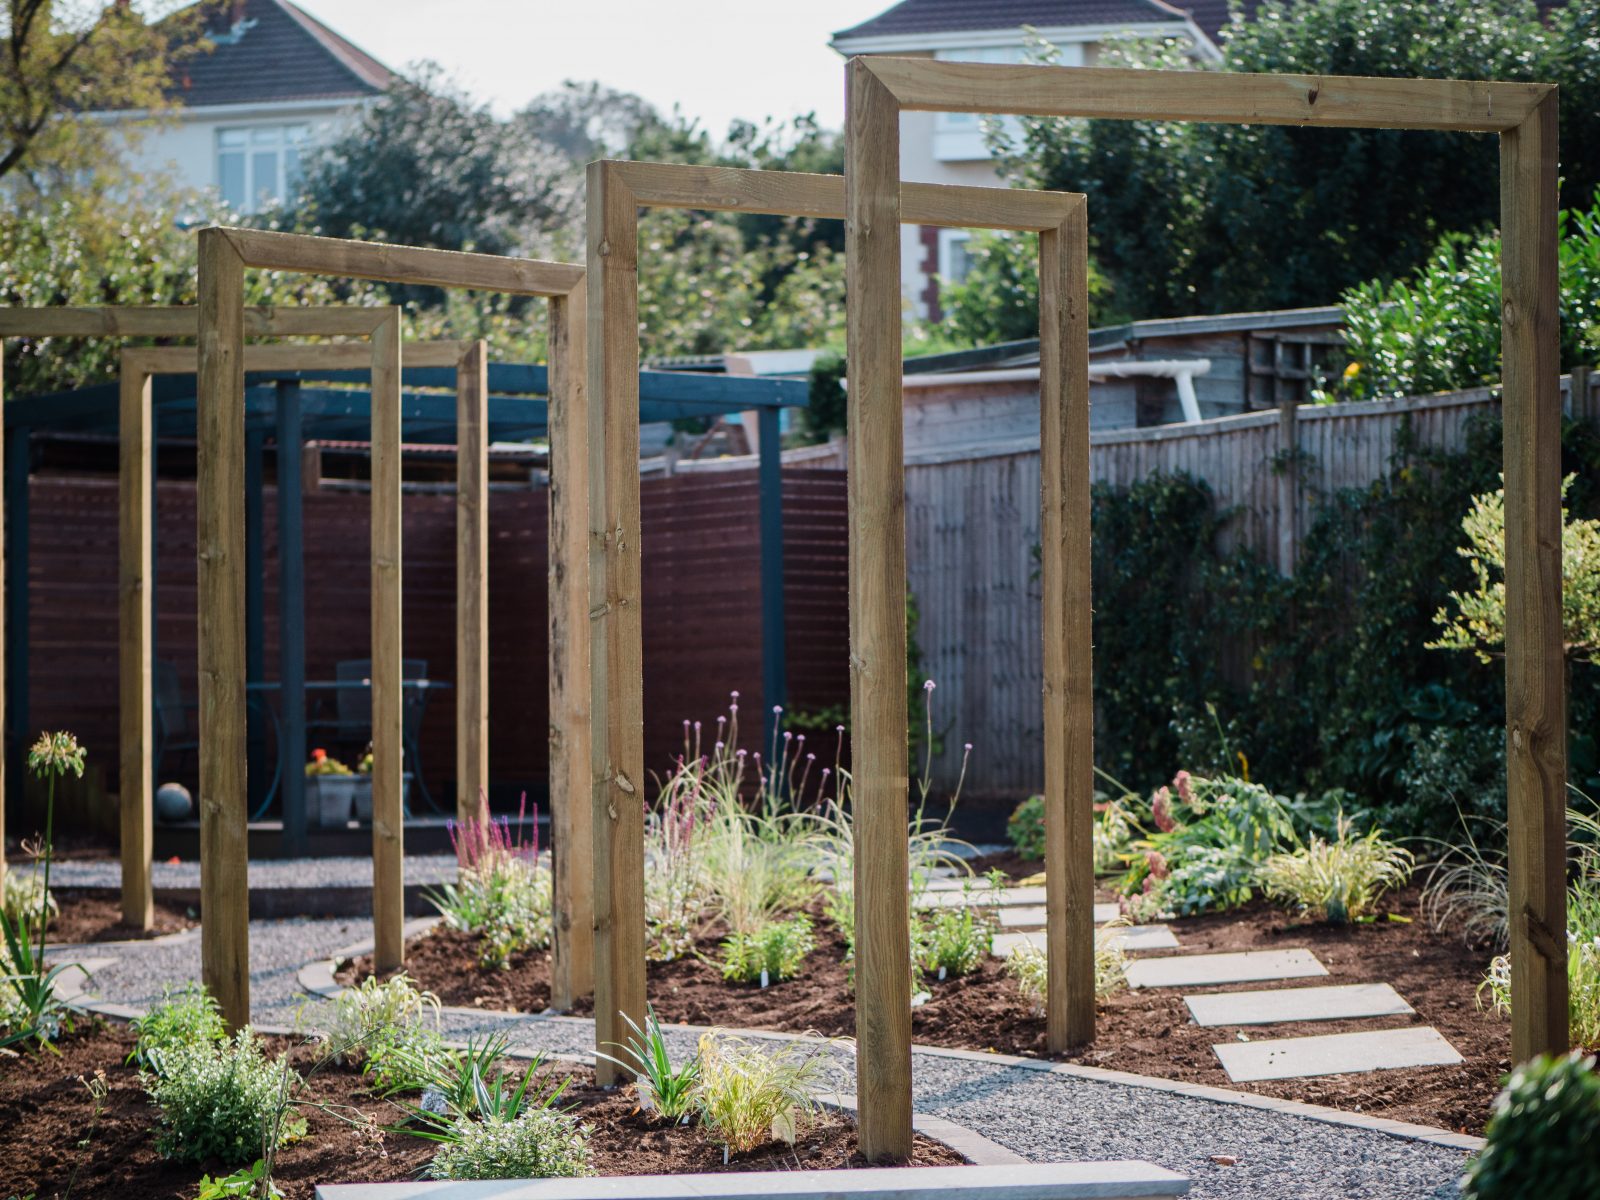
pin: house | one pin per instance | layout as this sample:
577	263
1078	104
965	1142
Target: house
274	83
949	147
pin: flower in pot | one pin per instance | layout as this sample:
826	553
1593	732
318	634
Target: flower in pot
330	790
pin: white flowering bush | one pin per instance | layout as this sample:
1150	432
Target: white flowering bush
220	1099
539	1143
24	897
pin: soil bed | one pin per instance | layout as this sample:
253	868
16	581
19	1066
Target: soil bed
1147	1032
47	1111
95	915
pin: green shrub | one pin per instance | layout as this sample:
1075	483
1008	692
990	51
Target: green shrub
391	1027
668	1090
749	1095
1340	880
1543	1135
219	1099
505	899
771	954
23	897
188	1016
1026	827
953	941
540	1143
1028	964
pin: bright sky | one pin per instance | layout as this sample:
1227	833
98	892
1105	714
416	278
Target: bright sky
717	59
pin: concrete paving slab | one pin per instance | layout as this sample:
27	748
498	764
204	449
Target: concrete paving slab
1203	970
1031	916
1336	1054
981	894
1132	937
1334	1003
1119	1180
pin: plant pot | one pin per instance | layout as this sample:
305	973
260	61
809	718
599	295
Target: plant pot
329	800
363	796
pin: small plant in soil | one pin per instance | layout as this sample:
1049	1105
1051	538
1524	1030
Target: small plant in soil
665	1089
954	941
1028	964
24	900
771	954
1541	1139
1341	880
391	1024
503	893
540	1143
187	1016
748	1094
220	1099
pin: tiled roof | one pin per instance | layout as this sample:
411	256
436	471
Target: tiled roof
271	50
964	16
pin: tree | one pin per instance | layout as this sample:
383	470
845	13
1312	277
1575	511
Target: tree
1210	218
62	58
998	301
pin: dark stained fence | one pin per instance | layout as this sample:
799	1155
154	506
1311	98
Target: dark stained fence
702	616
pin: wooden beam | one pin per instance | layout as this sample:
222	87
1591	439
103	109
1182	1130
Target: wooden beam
219	427
877	618
402	264
795	194
1536	717
177	321
388	697
1065	586
571	791
472	584
1226	97
135	512
616	648
300	356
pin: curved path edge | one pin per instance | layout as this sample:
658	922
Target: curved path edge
317	978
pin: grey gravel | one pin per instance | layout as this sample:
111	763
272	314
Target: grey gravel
1042	1115
349	871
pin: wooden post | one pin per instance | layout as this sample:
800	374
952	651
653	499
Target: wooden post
1288	485
388	702
877	618
134	506
1582	406
616	647
219	436
472	583
5	649
1536	719
291	615
1068	680
571	814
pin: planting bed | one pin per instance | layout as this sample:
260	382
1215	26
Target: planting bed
1147	1032
46	1112
95	915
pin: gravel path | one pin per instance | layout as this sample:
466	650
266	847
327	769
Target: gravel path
352	871
1042	1115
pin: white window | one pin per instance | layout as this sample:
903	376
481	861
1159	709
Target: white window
958	137
954	262
260	165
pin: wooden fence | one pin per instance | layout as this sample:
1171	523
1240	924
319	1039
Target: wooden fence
972	521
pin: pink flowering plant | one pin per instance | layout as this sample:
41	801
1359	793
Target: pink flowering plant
503	891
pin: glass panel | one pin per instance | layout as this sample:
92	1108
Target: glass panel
266	136
230	179
295	134
230	137
264	175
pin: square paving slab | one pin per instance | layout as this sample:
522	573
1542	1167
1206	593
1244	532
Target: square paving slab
981	895
1031	916
1297	1004
1132	937
1336	1054
1203	970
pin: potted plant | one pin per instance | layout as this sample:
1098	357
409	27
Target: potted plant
330	791
363	792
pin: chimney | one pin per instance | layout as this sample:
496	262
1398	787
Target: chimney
237	11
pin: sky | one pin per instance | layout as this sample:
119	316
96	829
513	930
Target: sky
717	59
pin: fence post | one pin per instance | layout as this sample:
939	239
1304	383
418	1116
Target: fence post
1582	406
1288	487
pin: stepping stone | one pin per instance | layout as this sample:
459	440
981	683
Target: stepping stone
1117	1180
1031	916
1297	1004
1202	970
1132	937
981	896
1336	1054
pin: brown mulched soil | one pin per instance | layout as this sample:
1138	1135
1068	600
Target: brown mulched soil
1146	1032
95	915
47	1114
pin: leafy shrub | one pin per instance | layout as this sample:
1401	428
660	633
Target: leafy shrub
539	1143
386	1025
1113	828
1026	827
1339	880
502	893
1542	1135
954	941
219	1099
750	1095
24	898
668	1090
772	953
188	1016
1028	964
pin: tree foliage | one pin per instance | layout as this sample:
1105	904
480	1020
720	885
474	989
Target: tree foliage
998	301
59	58
1193	218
